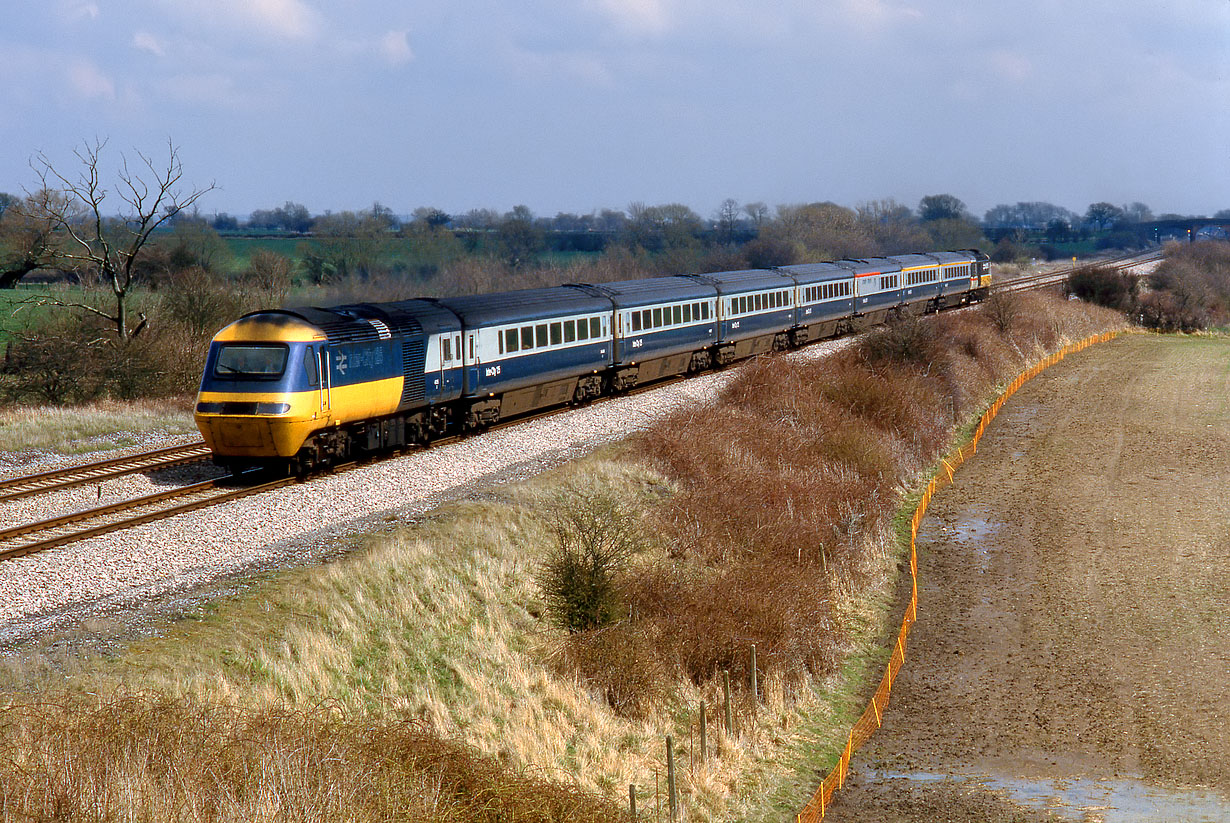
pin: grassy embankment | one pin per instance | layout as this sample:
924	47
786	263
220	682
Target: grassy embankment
767	519
99	426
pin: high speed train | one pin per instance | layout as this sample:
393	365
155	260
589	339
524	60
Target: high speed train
301	388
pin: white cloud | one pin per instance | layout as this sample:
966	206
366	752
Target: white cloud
639	16
284	19
88	80
145	41
395	46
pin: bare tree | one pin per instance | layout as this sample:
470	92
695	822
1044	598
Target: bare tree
757	212
110	245
26	235
727	220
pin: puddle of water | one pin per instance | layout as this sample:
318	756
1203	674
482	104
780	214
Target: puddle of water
1121	800
976	532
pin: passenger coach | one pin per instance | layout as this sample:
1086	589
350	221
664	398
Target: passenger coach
303	387
755	312
529	349
664	326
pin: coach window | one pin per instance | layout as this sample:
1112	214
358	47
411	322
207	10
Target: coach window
687	312
557	333
636	321
527	338
583	329
595	327
657	317
510	340
678	312
540	336
448	349
570	331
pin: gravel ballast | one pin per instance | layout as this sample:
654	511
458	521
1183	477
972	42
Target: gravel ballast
299	523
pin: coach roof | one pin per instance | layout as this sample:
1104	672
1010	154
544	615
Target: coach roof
524	304
745	280
817	272
650	290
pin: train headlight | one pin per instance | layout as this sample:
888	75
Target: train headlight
242	408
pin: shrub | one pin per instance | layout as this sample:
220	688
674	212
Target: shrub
906	341
593	537
1169	312
1104	286
53	365
200	302
1002	307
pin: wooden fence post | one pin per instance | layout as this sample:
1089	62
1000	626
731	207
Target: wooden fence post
704	733
671	797
755	683
730	720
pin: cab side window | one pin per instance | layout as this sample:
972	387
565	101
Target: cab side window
309	366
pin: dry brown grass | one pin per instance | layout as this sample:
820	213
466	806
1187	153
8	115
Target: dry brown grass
787	486
162	759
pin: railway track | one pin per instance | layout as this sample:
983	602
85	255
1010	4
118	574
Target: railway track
98	471
29	538
1056	278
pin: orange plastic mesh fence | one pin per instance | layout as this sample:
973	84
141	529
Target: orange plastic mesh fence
873	715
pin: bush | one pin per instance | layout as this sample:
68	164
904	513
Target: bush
1002	307
1165	311
593	537
53	365
1191	288
1104	286
907	341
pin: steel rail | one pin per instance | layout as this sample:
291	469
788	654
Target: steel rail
54	523
79	475
1054	278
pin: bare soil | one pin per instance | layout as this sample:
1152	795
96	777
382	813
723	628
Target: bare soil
1074	585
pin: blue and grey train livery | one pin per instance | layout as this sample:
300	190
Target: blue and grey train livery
302	387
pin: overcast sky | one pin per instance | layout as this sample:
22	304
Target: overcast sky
577	105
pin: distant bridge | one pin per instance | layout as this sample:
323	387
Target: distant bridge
1189	227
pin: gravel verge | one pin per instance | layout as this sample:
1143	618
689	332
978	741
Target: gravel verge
199	554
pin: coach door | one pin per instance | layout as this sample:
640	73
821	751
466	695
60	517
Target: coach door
325	390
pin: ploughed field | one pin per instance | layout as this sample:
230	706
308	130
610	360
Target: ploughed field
1071	658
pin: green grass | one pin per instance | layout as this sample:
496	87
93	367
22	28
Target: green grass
242	249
